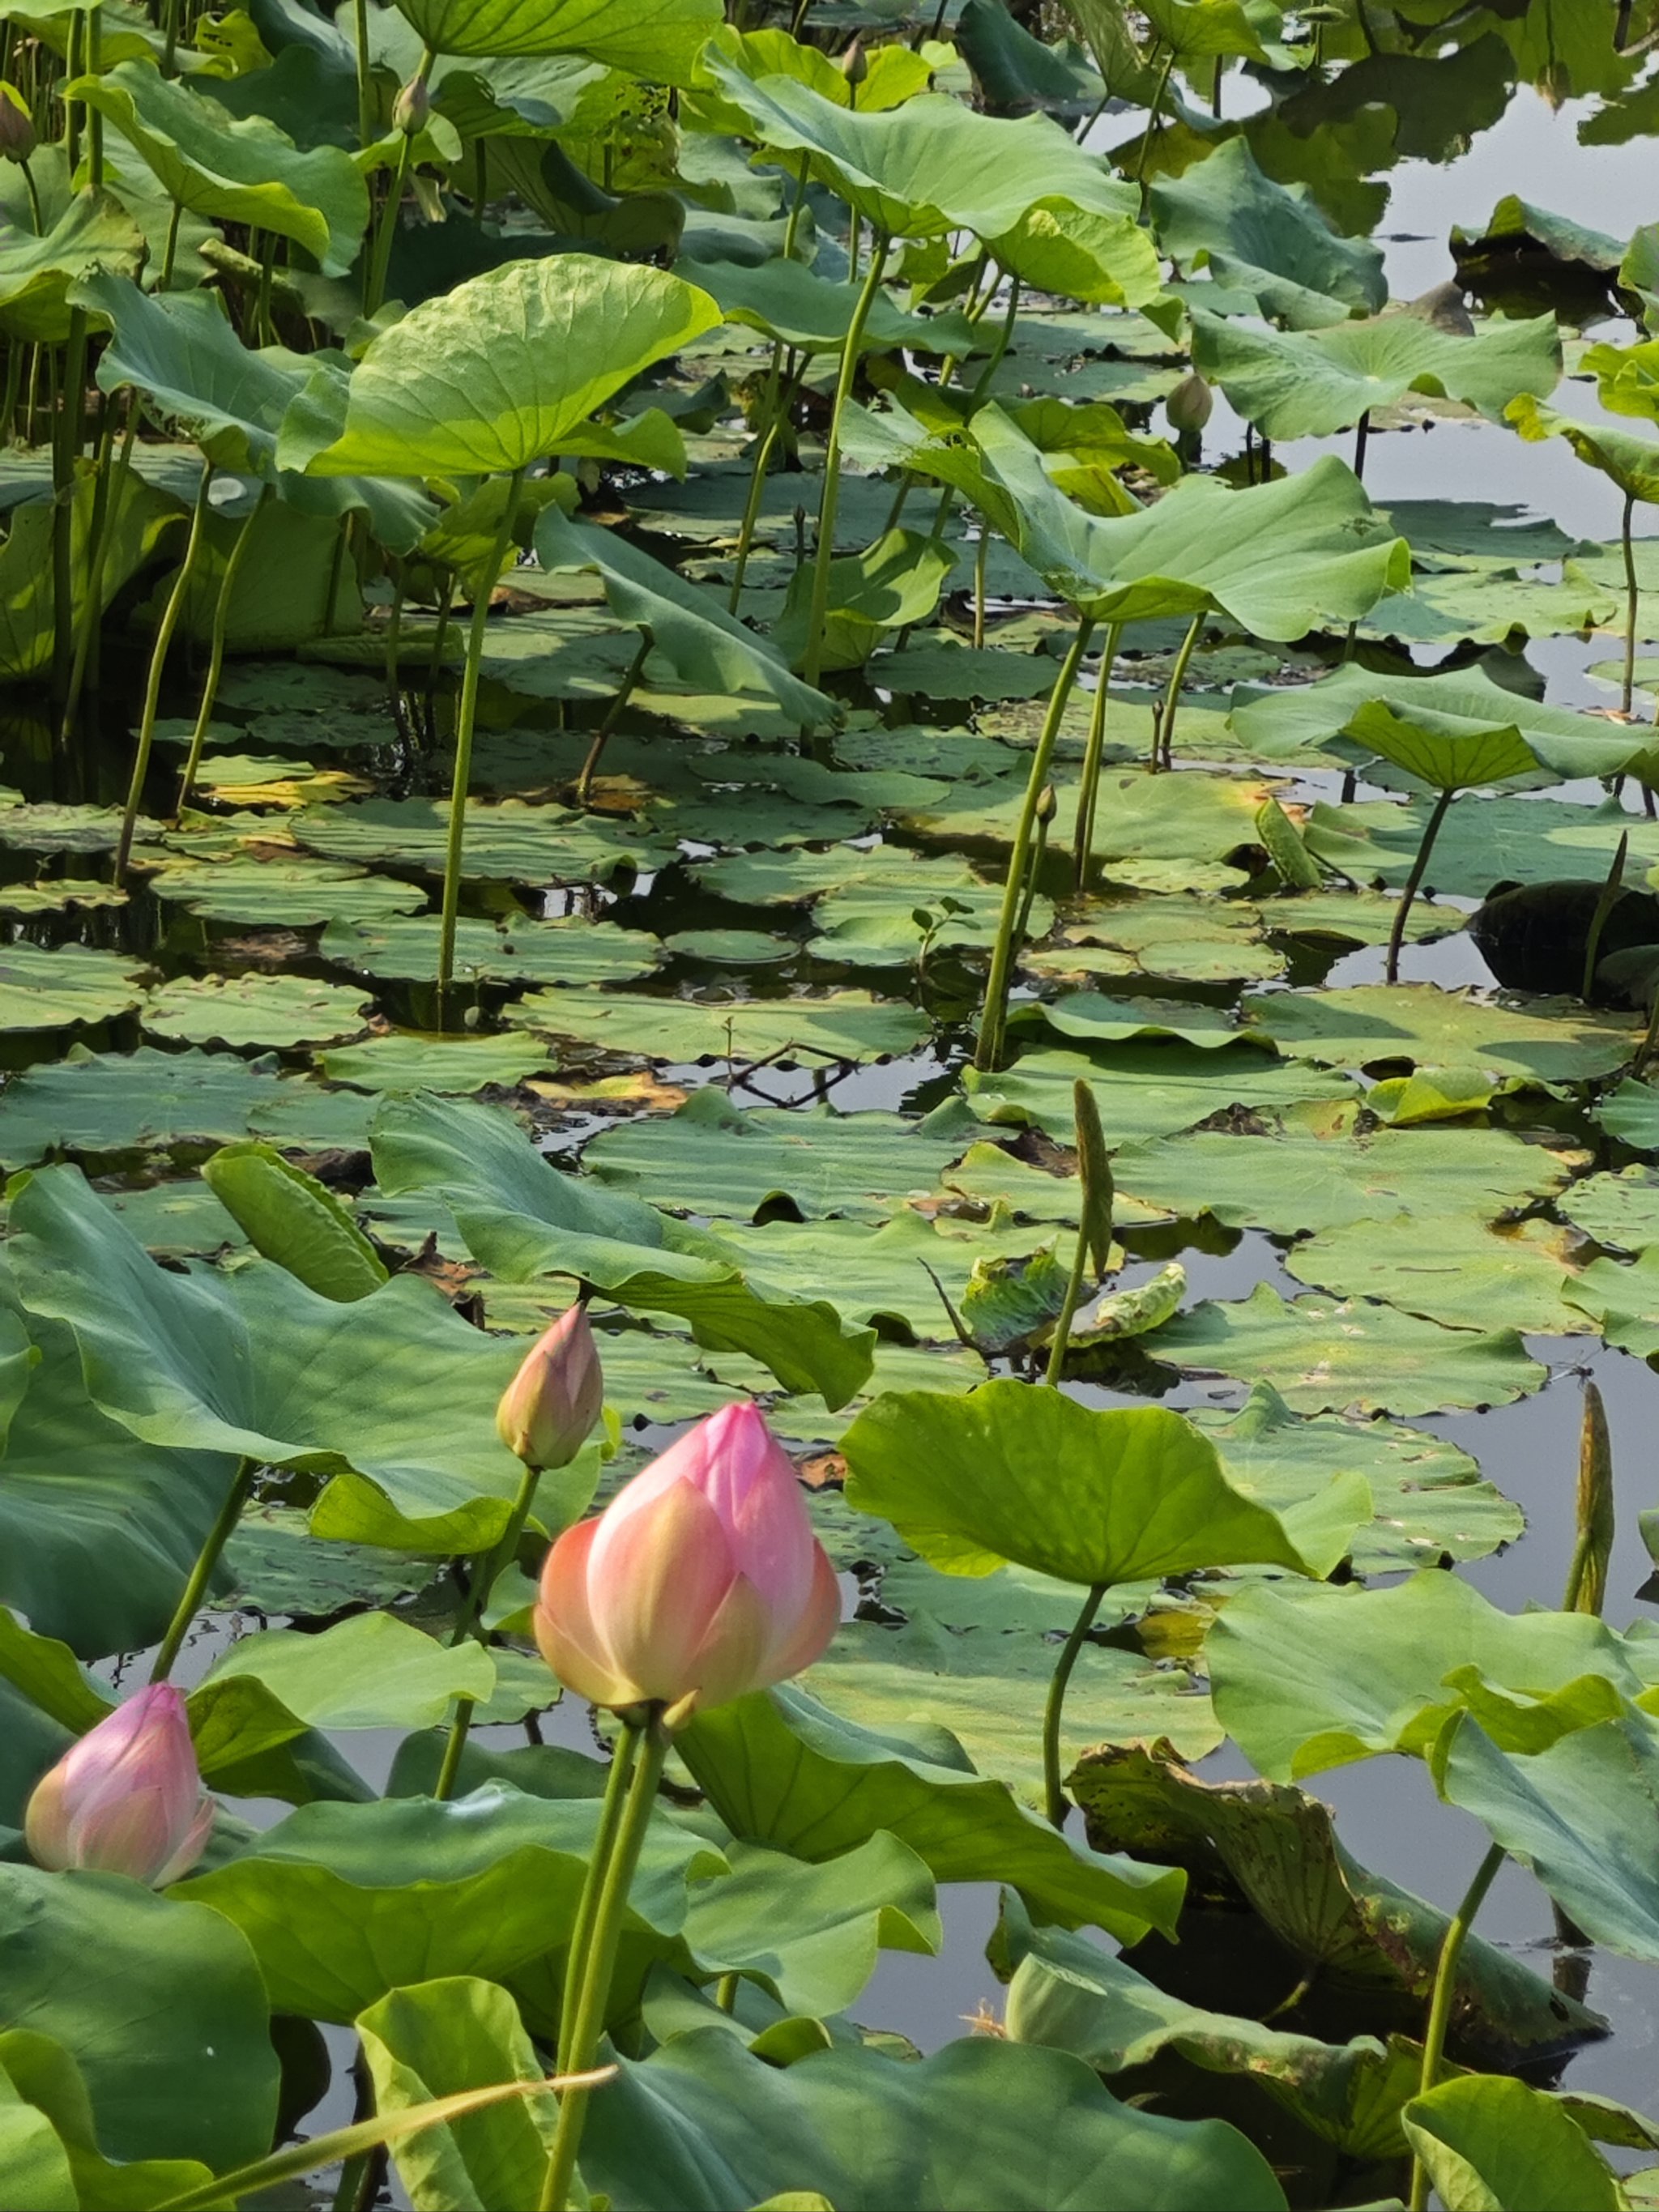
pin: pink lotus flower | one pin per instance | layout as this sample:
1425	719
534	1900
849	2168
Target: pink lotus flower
701	1580
127	1799
551	1404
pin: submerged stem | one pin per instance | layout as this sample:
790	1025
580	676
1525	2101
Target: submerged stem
1440	2004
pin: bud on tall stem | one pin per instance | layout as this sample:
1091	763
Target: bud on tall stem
127	1799
548	1411
17	135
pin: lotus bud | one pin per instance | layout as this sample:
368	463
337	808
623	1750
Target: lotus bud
701	1581
852	64
128	1798
1188	406
17	139
549	1409
411	108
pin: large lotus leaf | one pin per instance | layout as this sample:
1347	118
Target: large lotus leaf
781	1769
289	894
254	1009
659	39
933	166
1311	1676
1146	1088
1267	239
708	647
439	2037
522	1217
94	232
1327	1355
160	2004
1429	1499
1460	714
1371	1024
985	1687
1314	1168
103	1102
172	1356
50	988
343	1903
702	2125
1129	1494
1632	462
403	1059
1281	558
1450	1267
513	842
497	374
570	950
789	302
733	1162
849	1025
1482	841
1016	71
98	1529
1306	384
1068	1994
247	171
1275	1850
1492	2145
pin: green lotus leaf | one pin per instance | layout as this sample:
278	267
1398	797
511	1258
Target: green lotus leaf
134	529
54	988
285	894
254	1009
1146	1088
94	233
293	1219
569	950
656	39
702	2125
1268	239
159	2003
169	1356
1450	1267
892	584
497	374
522	1217
707	647
781	1769
1374	1023
789	302
1016	71
513	842
1488	2142
1306	384
932	166
1127	1495
841	1025
1308	1677
1631	462
247	171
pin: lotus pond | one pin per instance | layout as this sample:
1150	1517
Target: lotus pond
944	717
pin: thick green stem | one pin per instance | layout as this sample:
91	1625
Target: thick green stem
364	81
600	1963
825	551
107	502
993	1016
463	721
1627	692
1068	1307
158	661
772	404
1088	791
30	187
1154	114
1164	735
606	730
486	1572
380	257
66	450
1440	2003
1403	912
624	1751
170	251
1054	1794
216	650
206	1560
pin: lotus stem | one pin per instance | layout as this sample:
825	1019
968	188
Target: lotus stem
1054	1794
207	1559
463	722
1088	788
1440	2003
606	730
1361	436
380	257
169	623
826	549
487	1569
107	502
981	559
599	1963
217	649
365	82
1604	906
1163	733
1403	912
773	405
170	252
623	1754
1628	690
1153	115
1649	1038
30	187
981	385
1094	1226
993	1018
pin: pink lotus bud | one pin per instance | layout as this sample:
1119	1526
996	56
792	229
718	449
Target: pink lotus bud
127	1799
550	1405
412	108
701	1581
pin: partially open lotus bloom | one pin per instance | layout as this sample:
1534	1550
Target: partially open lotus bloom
701	1580
127	1799
549	1409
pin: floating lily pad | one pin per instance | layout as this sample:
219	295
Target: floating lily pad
56	988
1372	1024
284	894
513	842
842	1025
273	1011
49	828
1450	1267
1328	1355
1190	941
1144	1090
731	948
58	896
403	1059
171	1219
